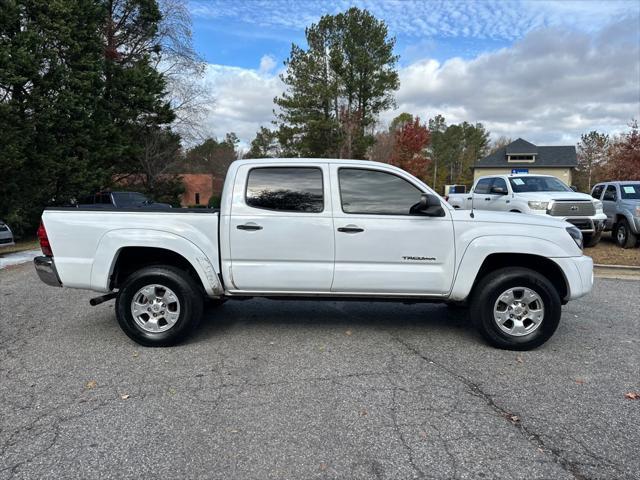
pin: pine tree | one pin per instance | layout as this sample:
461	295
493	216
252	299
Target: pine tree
337	86
51	64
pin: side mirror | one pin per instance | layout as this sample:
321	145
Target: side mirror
498	191
429	205
574	188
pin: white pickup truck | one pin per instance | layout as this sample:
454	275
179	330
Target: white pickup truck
535	194
322	229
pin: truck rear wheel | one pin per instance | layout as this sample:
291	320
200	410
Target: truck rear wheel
625	238
159	306
515	308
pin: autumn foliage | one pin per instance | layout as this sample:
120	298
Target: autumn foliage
624	156
411	138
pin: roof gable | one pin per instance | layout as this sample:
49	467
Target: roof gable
521	146
553	156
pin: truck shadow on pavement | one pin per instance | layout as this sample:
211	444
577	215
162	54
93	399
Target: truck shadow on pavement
434	319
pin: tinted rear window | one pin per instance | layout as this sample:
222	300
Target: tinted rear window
286	189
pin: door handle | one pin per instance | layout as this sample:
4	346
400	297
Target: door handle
487	198
249	226
350	229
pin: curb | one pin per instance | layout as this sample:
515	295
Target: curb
623	272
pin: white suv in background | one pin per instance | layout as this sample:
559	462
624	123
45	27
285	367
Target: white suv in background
536	194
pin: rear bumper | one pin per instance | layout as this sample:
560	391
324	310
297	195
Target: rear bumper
46	270
6	238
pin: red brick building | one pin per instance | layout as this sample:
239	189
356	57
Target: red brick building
199	188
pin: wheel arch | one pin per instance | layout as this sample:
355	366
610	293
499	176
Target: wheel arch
486	254
121	252
542	265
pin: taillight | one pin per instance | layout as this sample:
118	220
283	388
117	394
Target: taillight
44	240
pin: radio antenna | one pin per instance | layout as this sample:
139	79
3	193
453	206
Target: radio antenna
473	192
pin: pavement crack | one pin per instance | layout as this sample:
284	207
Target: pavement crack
398	430
476	390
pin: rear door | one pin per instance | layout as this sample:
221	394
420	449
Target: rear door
380	247
281	229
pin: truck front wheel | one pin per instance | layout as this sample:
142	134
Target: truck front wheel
515	308
592	239
625	238
159	306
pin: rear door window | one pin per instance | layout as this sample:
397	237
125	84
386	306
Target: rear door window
286	189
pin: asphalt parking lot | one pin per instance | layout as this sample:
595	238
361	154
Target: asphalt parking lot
294	390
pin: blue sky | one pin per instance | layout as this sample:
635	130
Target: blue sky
582	49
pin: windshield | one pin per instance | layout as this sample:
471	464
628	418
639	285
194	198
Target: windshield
630	192
537	184
124	199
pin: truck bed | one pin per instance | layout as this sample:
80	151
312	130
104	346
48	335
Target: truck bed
86	242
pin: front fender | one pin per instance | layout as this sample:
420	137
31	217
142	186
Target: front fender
480	248
114	241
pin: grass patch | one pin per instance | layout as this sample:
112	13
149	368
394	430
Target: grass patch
20	246
608	253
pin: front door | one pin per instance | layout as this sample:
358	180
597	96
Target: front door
281	229
609	205
380	247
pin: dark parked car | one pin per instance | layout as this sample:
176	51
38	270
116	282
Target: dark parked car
621	204
120	200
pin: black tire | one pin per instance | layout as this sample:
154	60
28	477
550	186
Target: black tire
625	238
486	295
591	239
185	288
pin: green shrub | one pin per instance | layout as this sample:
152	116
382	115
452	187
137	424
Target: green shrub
214	202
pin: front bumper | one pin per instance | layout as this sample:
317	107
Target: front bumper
578	272
46	270
589	225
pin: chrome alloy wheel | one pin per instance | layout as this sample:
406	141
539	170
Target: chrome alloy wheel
155	308
518	311
621	235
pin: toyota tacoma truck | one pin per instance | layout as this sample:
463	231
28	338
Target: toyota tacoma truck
539	195
319	229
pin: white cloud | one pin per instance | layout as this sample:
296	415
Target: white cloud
243	99
549	87
267	64
496	19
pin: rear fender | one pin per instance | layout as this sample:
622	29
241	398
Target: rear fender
115	240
